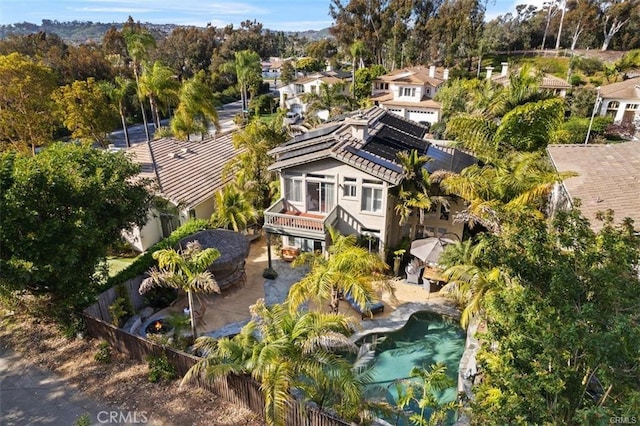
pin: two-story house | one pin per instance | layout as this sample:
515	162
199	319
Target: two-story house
622	101
409	92
341	174
549	82
291	94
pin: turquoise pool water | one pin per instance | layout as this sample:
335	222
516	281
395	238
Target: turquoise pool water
426	338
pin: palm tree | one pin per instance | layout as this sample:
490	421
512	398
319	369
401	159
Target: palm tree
138	43
521	181
250	168
329	98
413	191
248	71
159	84
524	87
233	210
196	111
286	350
184	270
348	269
119	93
356	50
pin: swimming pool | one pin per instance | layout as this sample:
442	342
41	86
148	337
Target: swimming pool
426	338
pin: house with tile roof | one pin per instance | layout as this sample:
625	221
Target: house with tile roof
549	82
341	174
621	101
409	92
608	178
186	174
291	94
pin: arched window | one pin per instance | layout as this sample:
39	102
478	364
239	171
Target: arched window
613	105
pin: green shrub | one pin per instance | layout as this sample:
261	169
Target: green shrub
160	297
162	132
596	81
142	264
588	66
118	311
103	355
160	369
83	420
576	80
72	326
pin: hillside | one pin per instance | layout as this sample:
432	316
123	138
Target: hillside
77	32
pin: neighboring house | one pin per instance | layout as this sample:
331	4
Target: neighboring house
409	92
291	94
187	175
608	178
341	174
622	101
549	82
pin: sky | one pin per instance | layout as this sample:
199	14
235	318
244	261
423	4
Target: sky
285	15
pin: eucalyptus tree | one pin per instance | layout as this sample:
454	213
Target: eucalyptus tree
348	269
185	269
287	351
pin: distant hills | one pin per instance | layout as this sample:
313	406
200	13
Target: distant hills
80	32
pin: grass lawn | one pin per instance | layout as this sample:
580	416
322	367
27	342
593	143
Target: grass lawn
117	264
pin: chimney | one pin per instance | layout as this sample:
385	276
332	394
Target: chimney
445	74
489	72
505	69
432	71
359	127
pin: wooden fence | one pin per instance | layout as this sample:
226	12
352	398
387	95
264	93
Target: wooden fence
240	390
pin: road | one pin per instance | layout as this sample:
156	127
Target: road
137	134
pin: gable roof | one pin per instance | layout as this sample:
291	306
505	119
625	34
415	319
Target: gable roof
411	75
387	135
628	89
187	173
548	81
608	178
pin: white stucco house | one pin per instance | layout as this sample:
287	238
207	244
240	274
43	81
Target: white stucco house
341	174
622	101
291	94
186	176
549	82
409	92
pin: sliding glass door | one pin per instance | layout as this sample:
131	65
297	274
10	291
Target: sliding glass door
320	197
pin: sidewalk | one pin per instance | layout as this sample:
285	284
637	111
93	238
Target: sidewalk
32	396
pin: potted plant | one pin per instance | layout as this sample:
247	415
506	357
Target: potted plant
397	259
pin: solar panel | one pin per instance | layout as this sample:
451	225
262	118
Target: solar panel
406	126
311	134
308	149
449	159
402	141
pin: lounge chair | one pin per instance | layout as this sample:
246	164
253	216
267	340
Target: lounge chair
372	307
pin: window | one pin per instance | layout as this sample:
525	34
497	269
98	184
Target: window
299	88
428	91
350	188
444	213
371	196
632	107
409	91
293	189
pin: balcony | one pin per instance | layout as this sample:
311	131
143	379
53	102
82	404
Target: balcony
282	218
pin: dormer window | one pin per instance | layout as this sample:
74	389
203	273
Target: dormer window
409	91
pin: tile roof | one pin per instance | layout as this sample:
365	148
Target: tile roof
388	135
628	89
188	172
548	81
608	178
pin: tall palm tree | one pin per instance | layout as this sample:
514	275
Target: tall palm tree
285	350
196	111
248	71
185	270
159	84
329	98
119	93
348	269
138	44
233	210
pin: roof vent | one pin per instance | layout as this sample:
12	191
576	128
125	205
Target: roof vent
185	151
173	155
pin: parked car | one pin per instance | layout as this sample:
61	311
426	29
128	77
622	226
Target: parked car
292	117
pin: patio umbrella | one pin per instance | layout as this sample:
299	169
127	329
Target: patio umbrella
429	249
